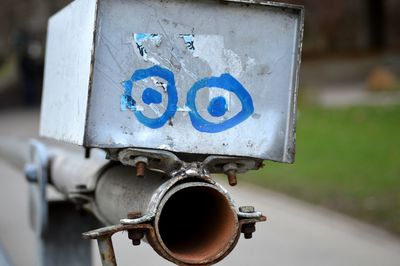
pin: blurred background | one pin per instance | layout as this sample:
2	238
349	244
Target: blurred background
348	144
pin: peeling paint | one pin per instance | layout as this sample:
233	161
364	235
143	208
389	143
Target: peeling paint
140	41
211	49
189	41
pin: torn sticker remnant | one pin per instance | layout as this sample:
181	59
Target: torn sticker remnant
189	41
141	38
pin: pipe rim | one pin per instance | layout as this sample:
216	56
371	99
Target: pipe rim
225	248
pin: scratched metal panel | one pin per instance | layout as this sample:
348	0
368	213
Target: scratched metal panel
67	72
204	77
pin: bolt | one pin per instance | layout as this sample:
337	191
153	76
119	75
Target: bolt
248	230
247	209
135	236
30	172
140	168
230	170
140	162
232	177
134	214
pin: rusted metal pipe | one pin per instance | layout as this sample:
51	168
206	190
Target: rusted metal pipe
196	223
106	250
188	218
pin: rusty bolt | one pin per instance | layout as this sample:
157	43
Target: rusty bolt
232	177
230	169
140	163
135	236
134	214
140	168
248	230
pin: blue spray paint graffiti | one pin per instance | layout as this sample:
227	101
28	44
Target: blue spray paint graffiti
217	106
151	96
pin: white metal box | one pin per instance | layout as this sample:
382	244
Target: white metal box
199	77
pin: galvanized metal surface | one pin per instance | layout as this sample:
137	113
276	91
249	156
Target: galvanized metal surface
69	50
199	77
71	172
120	185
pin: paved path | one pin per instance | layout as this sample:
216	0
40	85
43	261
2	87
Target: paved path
296	233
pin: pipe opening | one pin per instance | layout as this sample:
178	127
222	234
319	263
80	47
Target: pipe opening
197	224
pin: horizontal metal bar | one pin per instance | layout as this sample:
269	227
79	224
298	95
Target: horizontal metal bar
14	151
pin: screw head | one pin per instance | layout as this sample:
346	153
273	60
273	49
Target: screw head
30	172
247	209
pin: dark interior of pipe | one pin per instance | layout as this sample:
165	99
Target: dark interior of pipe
197	223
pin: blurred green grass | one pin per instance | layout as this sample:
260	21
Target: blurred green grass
346	159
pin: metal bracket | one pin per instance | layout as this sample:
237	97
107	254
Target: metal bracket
103	236
215	164
187	171
157	160
166	162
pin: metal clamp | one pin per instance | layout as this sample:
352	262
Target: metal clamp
103	236
156	160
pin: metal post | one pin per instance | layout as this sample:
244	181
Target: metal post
62	244
106	250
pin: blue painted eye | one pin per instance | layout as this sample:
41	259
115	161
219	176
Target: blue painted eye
151	96
218	106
